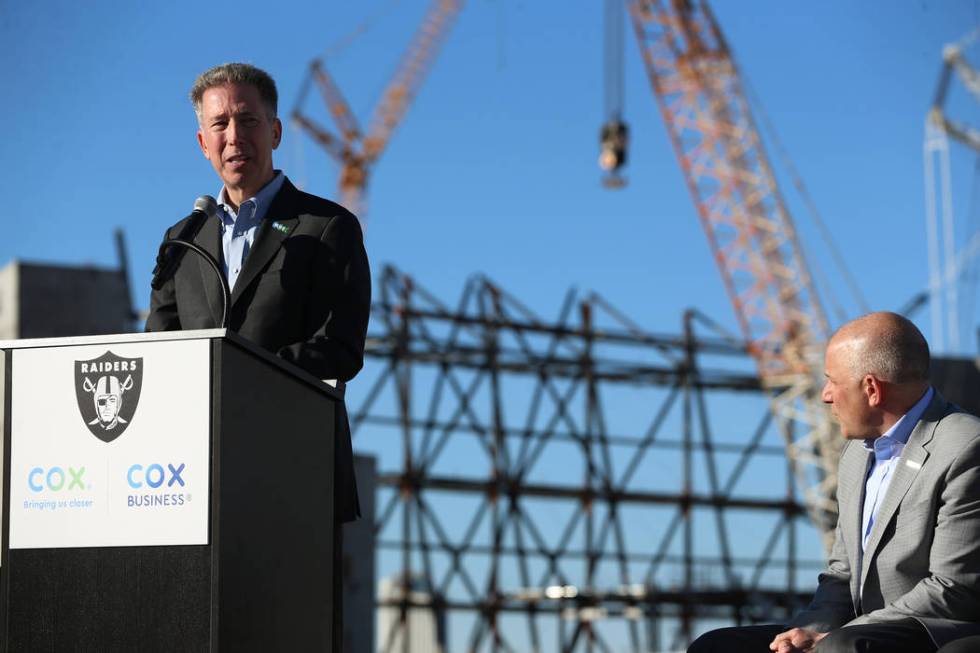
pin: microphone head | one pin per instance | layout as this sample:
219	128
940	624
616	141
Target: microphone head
206	205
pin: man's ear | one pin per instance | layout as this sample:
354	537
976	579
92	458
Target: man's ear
874	390
202	143
276	133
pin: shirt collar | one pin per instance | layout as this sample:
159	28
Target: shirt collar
261	201
892	441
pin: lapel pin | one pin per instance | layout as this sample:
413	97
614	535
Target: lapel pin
912	464
280	227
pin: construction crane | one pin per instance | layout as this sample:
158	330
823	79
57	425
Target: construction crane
946	265
354	149
750	231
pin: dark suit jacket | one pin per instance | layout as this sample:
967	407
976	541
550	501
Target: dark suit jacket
922	559
304	293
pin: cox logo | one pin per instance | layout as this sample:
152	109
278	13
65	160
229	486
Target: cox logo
54	479
154	475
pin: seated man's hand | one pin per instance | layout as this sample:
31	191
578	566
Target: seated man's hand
796	640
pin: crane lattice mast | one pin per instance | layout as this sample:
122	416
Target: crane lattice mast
749	228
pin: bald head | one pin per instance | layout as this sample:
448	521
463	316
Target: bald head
885	345
877	368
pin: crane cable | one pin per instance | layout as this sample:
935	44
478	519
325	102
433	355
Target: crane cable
613	58
362	28
811	208
614	133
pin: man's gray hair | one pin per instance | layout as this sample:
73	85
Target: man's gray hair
236	73
888	346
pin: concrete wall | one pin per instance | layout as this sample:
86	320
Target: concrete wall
42	301
8	302
958	379
358	564
426	627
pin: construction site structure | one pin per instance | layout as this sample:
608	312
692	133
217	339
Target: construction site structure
749	228
562	485
47	300
576	484
357	150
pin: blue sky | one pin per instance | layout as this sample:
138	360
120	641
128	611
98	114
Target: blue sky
493	169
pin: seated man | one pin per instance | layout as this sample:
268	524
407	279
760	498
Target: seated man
904	572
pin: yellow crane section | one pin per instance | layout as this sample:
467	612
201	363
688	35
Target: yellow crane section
354	149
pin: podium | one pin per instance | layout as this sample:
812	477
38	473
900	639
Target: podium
164	492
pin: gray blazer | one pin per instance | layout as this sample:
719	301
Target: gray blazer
923	554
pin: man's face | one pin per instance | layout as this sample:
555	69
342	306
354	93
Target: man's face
845	392
237	136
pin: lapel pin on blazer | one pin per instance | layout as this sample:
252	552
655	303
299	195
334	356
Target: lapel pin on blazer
278	226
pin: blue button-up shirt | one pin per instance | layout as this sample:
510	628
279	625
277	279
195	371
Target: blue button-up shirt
887	448
238	227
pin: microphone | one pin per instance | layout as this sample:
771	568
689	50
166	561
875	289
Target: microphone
169	258
207	205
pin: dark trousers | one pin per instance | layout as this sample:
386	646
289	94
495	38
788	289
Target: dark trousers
905	636
346	508
964	645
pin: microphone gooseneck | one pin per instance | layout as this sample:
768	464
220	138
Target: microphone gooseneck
215	266
172	251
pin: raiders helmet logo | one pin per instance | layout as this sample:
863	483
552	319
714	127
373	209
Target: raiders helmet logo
108	391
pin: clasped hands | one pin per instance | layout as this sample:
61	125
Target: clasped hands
796	640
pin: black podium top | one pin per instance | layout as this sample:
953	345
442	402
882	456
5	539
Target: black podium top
325	385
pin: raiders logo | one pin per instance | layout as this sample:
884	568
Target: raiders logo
108	391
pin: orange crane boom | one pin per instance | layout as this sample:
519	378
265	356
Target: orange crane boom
749	228
355	150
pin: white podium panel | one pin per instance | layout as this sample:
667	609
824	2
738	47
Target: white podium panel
110	445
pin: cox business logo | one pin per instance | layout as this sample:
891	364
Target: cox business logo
55	479
151	478
154	475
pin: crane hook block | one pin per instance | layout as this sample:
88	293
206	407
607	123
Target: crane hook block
613	144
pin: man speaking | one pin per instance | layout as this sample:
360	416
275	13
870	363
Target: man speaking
295	263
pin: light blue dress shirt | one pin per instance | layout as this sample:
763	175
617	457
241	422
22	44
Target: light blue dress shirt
887	449
238	228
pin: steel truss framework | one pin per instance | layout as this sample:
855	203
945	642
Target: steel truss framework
566	485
